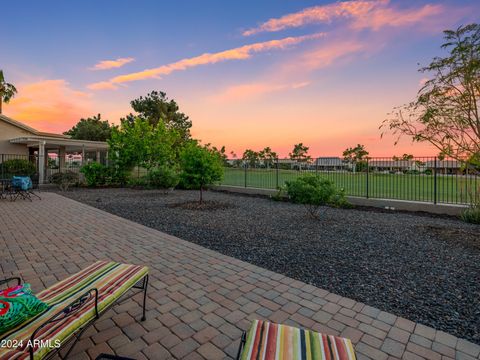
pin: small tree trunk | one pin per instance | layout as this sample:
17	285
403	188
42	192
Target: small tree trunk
0	104
201	194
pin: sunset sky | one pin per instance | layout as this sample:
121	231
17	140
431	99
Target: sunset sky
248	73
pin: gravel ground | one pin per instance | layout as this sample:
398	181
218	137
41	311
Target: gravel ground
424	268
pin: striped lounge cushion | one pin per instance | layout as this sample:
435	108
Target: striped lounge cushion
110	278
269	341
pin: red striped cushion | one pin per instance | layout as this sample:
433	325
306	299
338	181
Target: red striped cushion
110	278
269	341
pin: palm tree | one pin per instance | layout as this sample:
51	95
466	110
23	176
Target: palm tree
7	91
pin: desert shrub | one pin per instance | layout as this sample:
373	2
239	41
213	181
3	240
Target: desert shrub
95	174
314	192
64	179
18	167
163	177
472	213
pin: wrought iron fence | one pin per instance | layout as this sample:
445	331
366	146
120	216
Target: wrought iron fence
18	165
425	179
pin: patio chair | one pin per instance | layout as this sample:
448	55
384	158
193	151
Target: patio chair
269	341
73	305
22	186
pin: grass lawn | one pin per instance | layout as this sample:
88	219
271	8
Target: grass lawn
450	189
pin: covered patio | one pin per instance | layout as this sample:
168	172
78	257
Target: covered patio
59	153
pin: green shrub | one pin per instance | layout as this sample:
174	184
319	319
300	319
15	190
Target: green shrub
313	192
64	179
95	174
472	213
163	177
18	167
137	182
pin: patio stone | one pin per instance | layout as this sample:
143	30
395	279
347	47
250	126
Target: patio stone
199	301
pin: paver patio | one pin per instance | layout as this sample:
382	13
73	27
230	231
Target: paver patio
199	300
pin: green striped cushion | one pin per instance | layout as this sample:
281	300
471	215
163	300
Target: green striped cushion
269	341
110	278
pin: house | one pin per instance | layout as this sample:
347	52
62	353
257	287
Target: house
445	167
20	141
330	164
393	165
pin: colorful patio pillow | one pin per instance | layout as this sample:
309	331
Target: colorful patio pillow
22	182
18	304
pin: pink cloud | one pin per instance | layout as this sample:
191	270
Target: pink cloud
49	105
372	14
112	64
316	14
102	85
239	53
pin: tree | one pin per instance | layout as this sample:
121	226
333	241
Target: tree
156	107
267	156
250	157
7	91
355	156
142	144
404	157
300	154
446	111
201	166
92	128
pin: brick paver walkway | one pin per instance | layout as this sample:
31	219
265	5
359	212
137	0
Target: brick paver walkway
199	300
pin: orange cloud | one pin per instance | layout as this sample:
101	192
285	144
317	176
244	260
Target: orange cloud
372	14
240	53
112	64
49	105
102	85
316	14
326	55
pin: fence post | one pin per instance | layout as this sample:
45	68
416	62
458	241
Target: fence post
3	167
246	165
276	171
435	180
367	178
316	167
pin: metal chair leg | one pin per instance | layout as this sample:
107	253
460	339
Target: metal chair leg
243	340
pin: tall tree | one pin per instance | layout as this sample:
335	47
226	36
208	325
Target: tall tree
300	154
7	91
92	128
355	156
404	157
446	111
268	156
142	144
156	107
250	157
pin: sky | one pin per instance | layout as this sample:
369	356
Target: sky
249	74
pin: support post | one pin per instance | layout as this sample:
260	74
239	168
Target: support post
83	155
276	171
367	180
61	158
435	180
97	156
245	166
41	162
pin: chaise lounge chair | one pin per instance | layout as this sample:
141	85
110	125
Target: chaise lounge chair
73	305
269	341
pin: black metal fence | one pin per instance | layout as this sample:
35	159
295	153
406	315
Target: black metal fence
18	165
425	179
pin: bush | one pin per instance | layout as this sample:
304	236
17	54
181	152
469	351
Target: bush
64	179
95	174
18	167
163	177
313	192
472	214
